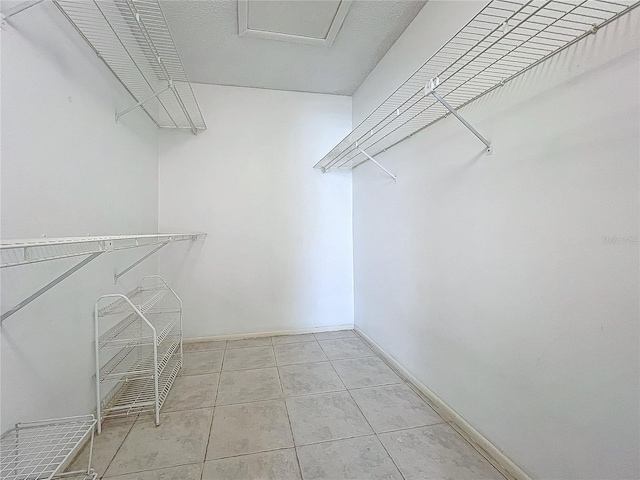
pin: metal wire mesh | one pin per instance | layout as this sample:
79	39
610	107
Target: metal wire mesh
34	250
504	40
142	297
37	450
138	396
138	362
134	41
132	330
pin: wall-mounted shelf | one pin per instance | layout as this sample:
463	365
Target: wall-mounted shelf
134	41
14	253
40	450
507	38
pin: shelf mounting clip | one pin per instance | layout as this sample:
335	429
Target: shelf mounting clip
395	179
139	104
430	89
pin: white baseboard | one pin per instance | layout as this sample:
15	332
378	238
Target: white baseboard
492	453
239	336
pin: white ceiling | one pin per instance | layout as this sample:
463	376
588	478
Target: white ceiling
323	46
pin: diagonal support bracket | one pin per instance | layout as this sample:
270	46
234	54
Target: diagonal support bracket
139	104
395	179
430	89
139	261
49	285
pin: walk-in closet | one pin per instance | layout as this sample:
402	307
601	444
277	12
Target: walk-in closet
320	239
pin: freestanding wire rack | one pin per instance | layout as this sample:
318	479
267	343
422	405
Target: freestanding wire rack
505	39
40	450
134	41
139	354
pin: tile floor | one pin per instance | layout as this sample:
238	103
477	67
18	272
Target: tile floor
313	406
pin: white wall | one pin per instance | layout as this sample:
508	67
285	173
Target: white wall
67	170
278	255
488	278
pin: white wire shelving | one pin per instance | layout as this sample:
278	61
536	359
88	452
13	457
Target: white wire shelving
505	39
137	357
18	252
132	38
41	450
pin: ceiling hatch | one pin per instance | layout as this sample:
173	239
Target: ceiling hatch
313	22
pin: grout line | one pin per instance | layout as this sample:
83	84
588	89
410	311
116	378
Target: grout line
119	446
286	409
368	423
213	413
422	396
128	474
453	426
250	453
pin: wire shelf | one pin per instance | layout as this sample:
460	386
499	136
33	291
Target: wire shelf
138	396
134	331
38	450
143	297
132	38
507	38
16	252
135	362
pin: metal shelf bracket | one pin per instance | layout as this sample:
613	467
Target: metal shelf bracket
49	285
395	179
139	104
140	260
430	89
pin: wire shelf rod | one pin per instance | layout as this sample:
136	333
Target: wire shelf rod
503	40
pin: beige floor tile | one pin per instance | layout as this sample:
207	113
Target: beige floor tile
180	439
249	428
309	378
250	342
328	416
275	465
334	335
293	353
437	451
349	459
345	348
365	372
105	445
284	339
191	392
249	358
193	347
393	407
183	472
200	363
242	386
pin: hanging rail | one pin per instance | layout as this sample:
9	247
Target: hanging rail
14	253
505	39
134	41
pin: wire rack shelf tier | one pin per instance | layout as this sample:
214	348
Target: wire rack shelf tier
143	298
132	38
133	331
139	374
138	396
505	39
40	450
131	363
